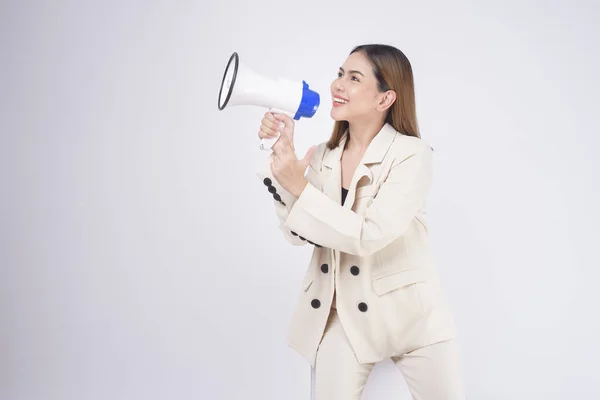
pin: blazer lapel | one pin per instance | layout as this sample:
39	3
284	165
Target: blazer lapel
332	172
332	166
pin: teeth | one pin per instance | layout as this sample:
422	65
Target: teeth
339	100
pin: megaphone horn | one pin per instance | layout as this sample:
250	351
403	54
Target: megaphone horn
242	86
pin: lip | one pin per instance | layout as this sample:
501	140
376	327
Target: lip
335	104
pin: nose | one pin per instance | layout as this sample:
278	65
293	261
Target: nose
337	86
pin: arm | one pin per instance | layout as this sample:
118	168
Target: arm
284	201
397	202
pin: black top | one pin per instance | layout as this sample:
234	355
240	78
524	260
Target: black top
344	193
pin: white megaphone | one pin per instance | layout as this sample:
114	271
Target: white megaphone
243	86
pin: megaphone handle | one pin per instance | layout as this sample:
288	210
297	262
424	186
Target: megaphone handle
267	144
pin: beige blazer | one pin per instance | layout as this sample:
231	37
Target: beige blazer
374	250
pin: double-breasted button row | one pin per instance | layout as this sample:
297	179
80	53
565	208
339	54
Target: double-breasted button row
269	184
354	270
315	303
314	244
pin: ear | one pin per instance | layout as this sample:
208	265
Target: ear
386	101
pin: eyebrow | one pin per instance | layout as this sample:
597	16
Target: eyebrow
352	71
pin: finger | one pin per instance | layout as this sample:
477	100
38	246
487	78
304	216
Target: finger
288	143
271	117
305	162
272	167
270	125
274	156
274	164
282	147
270	121
286	119
266	131
264	135
278	148
284	122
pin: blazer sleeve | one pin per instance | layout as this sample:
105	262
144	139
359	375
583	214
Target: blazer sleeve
388	217
284	201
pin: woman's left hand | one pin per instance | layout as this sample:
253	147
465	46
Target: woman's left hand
287	169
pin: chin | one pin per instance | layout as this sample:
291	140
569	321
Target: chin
336	115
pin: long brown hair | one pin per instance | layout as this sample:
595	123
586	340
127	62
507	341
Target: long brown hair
393	72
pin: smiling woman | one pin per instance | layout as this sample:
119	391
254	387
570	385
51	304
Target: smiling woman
371	291
373	71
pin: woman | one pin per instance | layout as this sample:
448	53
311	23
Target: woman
372	290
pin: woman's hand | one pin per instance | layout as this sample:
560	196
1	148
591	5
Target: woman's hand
287	169
270	127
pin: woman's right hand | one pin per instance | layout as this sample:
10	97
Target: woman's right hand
271	127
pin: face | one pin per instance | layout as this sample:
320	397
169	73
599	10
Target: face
354	93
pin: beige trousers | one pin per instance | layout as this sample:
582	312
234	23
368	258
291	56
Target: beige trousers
431	373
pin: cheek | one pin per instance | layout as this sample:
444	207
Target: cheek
360	101
360	96
368	100
354	93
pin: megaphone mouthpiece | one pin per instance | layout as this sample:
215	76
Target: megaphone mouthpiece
309	103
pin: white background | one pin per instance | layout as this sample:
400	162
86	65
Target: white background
140	256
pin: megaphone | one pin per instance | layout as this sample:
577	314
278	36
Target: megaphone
243	86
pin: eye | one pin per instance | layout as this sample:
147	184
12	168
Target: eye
355	78
339	75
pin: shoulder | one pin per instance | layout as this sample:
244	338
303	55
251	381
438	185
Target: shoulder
405	147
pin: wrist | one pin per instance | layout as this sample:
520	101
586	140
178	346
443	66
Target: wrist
297	191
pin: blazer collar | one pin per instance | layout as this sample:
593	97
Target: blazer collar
375	153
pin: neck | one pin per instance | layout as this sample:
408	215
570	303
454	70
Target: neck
361	134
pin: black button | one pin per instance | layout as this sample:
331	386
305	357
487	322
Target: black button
272	189
294	233
301	237
276	196
315	303
267	182
362	307
354	270
318	245
325	268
